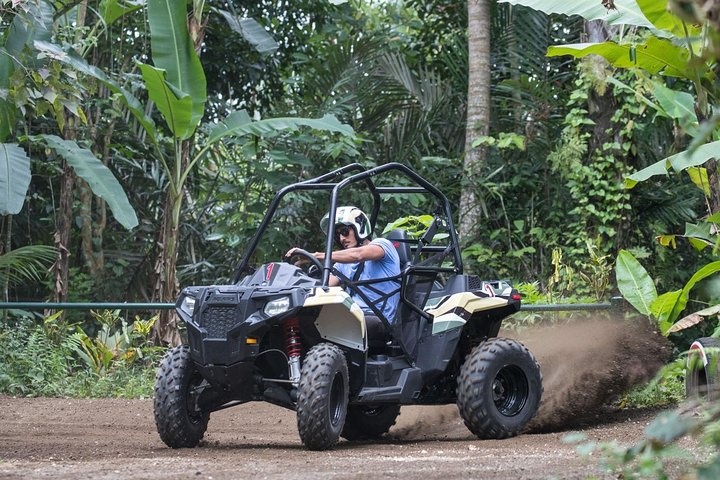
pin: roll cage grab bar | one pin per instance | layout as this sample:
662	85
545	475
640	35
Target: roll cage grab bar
334	181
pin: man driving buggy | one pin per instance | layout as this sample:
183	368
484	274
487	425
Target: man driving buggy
362	258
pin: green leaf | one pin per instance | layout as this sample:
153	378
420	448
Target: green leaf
511	140
714	218
101	180
7	109
174	105
111	10
234	120
173	51
483	140
669	306
667	240
251	31
26	263
7	117
35	23
678	162
678	105
74	60
699	235
657	13
708	270
238	124
709	471
663	306
669	426
699	177
638	95
656	55
14	178
634	283
627	12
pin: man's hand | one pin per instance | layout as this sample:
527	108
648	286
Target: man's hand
290	253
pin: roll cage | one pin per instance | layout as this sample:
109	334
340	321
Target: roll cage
420	263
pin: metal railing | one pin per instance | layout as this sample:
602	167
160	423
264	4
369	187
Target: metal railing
85	306
615	302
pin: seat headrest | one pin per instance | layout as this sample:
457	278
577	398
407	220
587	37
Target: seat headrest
398	237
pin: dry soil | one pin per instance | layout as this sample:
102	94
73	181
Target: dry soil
585	364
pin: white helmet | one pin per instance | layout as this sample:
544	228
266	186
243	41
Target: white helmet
352	217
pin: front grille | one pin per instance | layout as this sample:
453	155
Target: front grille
474	282
218	320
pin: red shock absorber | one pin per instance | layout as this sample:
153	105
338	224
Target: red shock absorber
293	348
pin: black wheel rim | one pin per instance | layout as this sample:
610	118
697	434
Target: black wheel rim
510	390
337	393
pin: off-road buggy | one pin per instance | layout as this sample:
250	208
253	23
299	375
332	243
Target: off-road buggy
280	334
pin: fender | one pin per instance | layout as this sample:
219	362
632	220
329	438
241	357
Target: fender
454	311
340	319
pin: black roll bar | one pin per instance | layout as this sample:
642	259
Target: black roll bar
322	182
367	174
310	184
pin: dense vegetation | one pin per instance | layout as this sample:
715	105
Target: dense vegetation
133	195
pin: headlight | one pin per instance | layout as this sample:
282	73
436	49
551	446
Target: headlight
277	306
188	305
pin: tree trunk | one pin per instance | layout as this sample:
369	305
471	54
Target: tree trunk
714	184
93	210
601	105
165	330
478	113
61	267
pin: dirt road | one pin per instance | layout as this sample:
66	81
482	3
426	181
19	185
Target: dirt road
584	365
116	439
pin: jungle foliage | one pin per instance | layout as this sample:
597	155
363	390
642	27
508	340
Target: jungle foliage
141	136
394	73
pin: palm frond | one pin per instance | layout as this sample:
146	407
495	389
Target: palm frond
25	263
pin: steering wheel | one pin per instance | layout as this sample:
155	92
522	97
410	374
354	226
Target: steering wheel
312	270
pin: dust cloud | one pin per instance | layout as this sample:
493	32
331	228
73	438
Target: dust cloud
586	363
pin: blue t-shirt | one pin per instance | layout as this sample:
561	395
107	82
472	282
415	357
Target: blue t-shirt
387	266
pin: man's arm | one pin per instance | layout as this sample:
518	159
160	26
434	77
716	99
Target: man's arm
362	253
352	255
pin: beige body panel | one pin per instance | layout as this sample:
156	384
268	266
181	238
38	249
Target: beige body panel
340	320
453	311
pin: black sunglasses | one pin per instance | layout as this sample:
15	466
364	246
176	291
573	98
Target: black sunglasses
344	231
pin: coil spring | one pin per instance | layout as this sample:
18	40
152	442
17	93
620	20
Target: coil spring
293	346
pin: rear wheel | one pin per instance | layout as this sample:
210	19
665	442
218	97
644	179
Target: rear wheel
178	384
702	379
499	388
322	396
367	422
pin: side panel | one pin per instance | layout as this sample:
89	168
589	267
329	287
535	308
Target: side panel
340	319
453	311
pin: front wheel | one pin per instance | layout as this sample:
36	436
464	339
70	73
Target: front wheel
322	396
178	384
701	378
368	422
499	388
